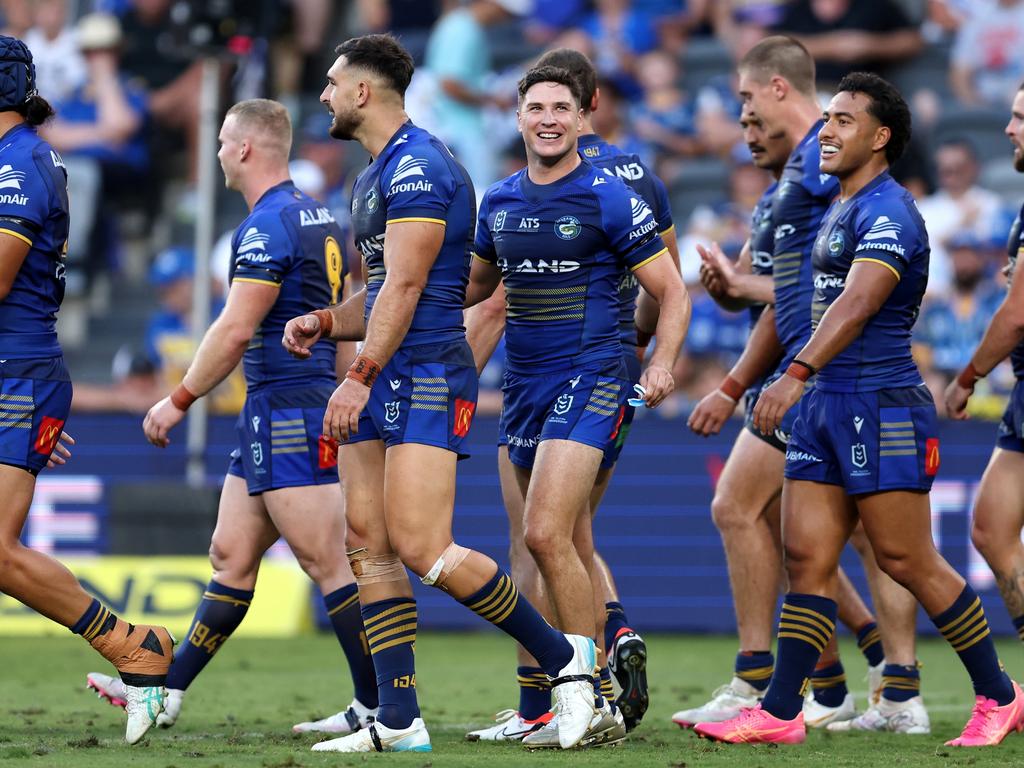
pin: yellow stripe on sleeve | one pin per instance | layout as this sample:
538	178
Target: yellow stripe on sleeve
646	261
481	258
670	230
256	280
888	266
442	222
18	235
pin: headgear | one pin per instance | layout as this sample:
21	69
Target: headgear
17	73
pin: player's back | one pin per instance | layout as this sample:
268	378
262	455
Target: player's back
634	172
34	209
881	225
416	179
762	242
289	240
800	201
561	248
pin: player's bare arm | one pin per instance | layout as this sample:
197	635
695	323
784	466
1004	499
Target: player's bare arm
13	251
219	353
485	325
737	285
867	288
1003	334
647	308
345	324
410	249
660	278
484	277
759	357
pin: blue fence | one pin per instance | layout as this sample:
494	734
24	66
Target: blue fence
654	528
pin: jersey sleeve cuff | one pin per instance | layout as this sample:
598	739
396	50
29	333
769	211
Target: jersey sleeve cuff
426	219
885	261
648	260
18	233
481	258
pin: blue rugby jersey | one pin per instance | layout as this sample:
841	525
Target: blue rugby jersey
415	178
561	249
292	241
1014	246
635	173
33	208
879	224
762	243
802	196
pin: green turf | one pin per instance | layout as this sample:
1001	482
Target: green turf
240	710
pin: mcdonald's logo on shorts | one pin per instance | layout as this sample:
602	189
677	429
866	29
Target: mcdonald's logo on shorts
327	451
931	456
463	417
49	433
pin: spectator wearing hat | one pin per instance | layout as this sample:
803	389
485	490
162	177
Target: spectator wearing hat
100	131
459	58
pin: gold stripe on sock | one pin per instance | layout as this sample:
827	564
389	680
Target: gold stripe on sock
503	610
377	629
828	682
394	631
354	598
974	640
809	639
812	614
757	673
393	643
820	636
944	630
96	623
225	599
966	629
499	589
369	622
874	636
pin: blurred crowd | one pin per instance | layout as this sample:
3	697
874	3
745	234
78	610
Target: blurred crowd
128	104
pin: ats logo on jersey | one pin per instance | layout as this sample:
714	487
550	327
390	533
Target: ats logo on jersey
327	452
49	433
931	456
464	410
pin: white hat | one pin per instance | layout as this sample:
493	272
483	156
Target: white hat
98	31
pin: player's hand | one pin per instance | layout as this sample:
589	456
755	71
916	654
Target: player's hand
161	418
343	409
657	383
956	398
775	402
711	281
61	451
711	413
719	267
301	333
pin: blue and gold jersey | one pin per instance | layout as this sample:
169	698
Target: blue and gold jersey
632	170
291	241
1014	246
415	178
33	208
802	196
561	249
762	243
879	224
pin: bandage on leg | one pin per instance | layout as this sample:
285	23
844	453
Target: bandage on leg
449	560
375	569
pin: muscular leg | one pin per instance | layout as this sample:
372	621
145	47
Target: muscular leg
748	484
998	519
852	610
904	550
35	579
563	477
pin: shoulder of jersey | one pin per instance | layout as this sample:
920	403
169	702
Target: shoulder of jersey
260	232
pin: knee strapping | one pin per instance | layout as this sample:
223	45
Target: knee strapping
449	560
375	569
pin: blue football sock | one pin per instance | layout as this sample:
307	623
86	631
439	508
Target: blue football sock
615	622
391	635
965	627
805	627
534	692
219	614
829	684
900	683
755	668
1018	624
869	640
343	610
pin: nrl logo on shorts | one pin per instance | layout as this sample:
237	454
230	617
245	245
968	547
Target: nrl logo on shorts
257	453
563	404
391	411
859	454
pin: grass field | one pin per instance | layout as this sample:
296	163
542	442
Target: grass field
239	712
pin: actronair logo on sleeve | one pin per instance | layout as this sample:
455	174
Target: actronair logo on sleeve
10	178
253	240
883	228
640	210
408	167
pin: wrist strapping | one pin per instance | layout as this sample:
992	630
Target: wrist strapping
731	388
364	370
968	376
326	320
800	370
182	397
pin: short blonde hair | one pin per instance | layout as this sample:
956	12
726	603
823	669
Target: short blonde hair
268	118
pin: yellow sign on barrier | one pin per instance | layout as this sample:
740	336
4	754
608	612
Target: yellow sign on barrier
166	590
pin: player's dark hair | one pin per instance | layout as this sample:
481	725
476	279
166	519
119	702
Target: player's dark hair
382	55
549	75
35	109
886	105
782	56
577	65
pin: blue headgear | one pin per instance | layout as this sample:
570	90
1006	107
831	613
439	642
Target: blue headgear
17	73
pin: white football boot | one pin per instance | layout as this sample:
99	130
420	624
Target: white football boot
143	706
573	690
379	738
606	728
510	726
726	703
908	717
819	716
347	721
